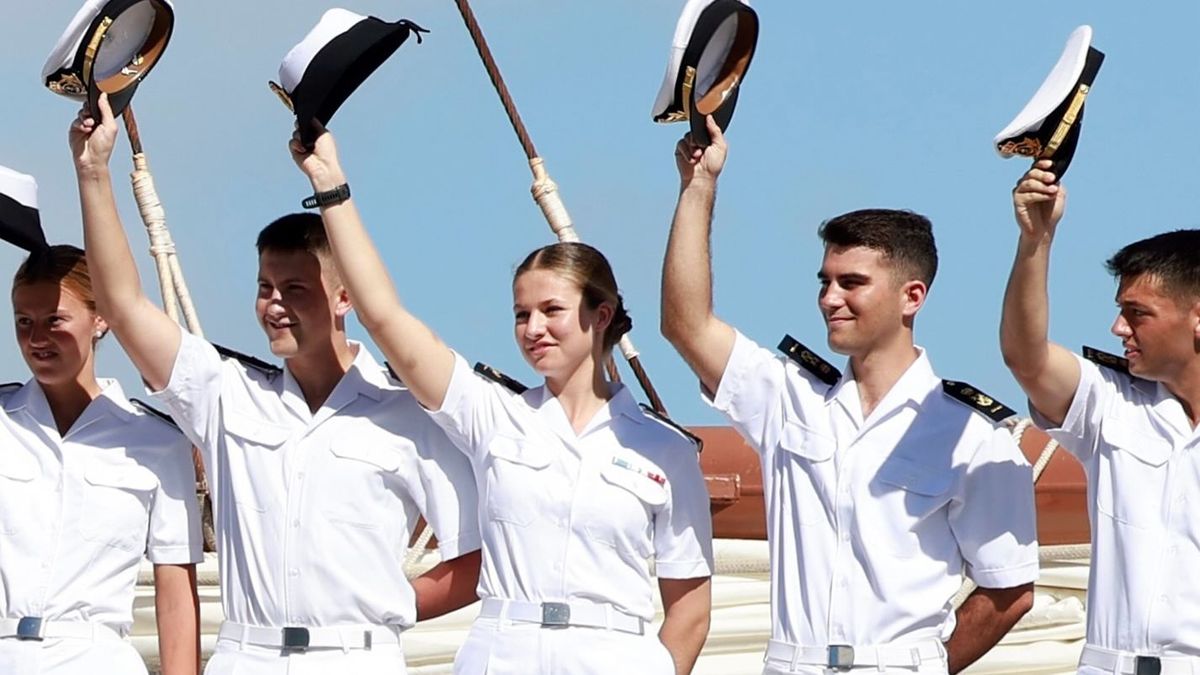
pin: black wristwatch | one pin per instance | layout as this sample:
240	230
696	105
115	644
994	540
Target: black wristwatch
337	195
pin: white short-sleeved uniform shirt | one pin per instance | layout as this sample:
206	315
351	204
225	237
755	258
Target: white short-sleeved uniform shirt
569	517
79	512
313	512
873	522
1142	460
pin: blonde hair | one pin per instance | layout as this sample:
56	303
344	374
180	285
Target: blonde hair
62	264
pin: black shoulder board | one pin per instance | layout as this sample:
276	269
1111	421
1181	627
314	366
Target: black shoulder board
248	361
973	398
674	425
809	361
1110	361
152	411
500	378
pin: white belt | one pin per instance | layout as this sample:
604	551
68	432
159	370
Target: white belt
37	628
299	638
1128	663
563	614
845	657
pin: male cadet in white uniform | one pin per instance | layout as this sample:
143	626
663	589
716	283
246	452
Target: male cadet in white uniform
1131	422
885	485
318	470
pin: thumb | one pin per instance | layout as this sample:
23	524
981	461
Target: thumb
714	130
106	113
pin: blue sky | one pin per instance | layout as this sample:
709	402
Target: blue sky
848	105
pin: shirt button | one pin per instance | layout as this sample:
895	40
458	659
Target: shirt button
846	535
295	523
844	583
294	572
1162	599
300	476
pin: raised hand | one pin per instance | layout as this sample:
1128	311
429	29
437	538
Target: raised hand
319	163
697	163
1037	202
91	142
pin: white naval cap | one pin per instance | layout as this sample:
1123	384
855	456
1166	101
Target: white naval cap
710	55
109	47
338	54
1048	126
20	223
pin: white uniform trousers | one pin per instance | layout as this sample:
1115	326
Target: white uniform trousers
69	656
503	647
232	658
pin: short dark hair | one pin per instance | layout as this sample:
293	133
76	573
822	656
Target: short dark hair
1172	257
904	237
295	232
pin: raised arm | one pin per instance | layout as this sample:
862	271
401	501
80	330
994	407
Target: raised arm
1047	372
688	322
417	355
148	335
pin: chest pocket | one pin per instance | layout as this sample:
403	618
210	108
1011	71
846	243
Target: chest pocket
1133	489
910	499
18	492
117	505
516	481
626	503
803	477
361	466
252	439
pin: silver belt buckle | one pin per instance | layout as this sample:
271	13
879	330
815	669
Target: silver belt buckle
556	614
30	628
841	657
1147	665
295	638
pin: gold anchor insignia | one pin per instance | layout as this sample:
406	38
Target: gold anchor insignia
283	96
67	84
1026	147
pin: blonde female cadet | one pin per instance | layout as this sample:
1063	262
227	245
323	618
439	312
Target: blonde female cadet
89	484
578	486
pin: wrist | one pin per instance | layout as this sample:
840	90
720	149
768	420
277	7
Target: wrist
92	172
703	184
327	179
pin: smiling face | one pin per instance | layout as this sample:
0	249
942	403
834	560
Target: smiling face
299	303
1157	329
56	332
555	329
864	303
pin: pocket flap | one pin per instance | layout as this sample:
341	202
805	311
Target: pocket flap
1144	444
638	481
807	443
912	476
19	466
134	478
364	450
255	430
519	451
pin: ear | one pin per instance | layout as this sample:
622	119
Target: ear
604	317
1194	317
913	293
341	302
99	327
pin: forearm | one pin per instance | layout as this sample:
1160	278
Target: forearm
687	269
687	608
684	633
1024	324
982	620
417	355
450	585
114	273
177	613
